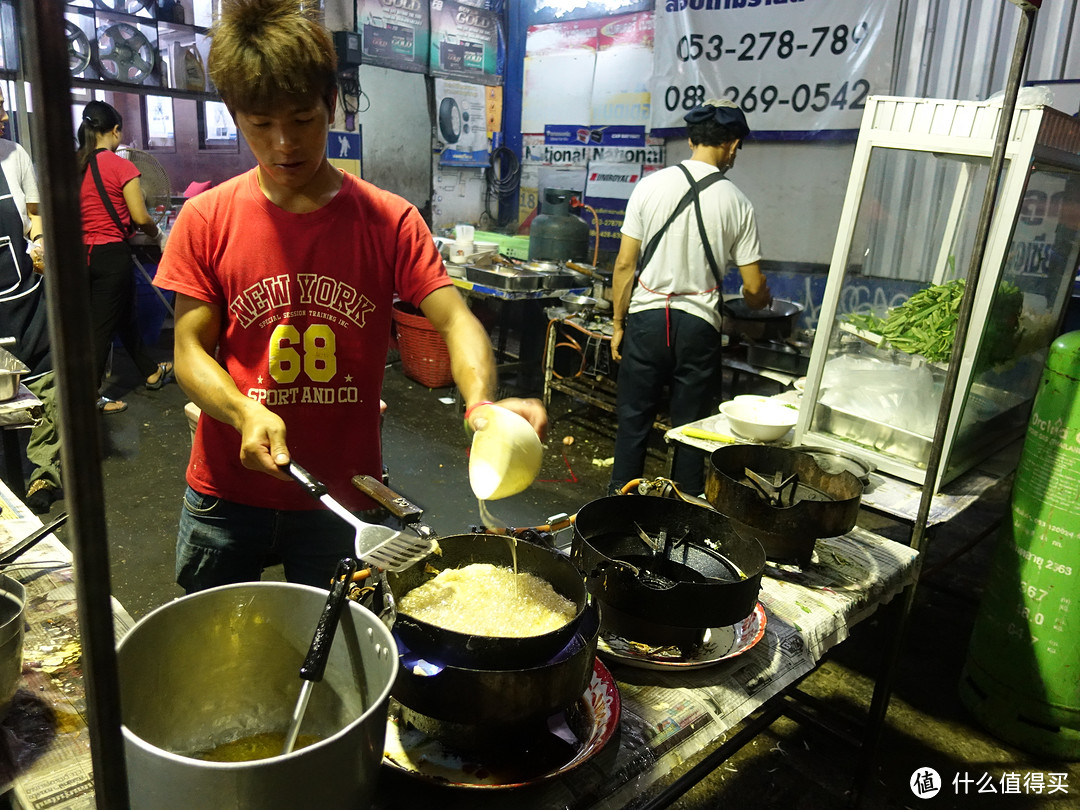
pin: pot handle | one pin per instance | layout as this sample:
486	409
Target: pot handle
399	506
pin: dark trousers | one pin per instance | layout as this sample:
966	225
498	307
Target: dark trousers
683	357
112	306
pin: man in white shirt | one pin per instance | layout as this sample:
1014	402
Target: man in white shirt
667	317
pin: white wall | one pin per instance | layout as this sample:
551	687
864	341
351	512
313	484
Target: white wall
397	132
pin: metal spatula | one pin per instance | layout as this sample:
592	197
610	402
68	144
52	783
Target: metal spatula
376	545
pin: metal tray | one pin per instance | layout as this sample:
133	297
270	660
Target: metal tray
778	356
12	370
914	448
504	278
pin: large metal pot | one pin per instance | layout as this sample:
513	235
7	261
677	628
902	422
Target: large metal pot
774	322
711	579
500	652
224	664
787	520
12	619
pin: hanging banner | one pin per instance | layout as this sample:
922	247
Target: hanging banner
624	63
798	68
607	188
462	123
465	42
394	35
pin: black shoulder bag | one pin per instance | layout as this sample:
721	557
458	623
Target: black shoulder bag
126	232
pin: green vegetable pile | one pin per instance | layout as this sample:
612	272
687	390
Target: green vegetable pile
925	324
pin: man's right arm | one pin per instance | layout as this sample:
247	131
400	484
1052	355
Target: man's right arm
262	432
755	289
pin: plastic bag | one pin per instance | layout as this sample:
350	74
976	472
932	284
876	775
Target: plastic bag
900	395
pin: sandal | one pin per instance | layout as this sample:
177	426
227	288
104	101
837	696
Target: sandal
106	405
164	372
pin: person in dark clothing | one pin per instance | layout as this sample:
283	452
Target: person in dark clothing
23	312
112	206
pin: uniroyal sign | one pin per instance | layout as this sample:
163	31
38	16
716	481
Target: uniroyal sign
612	180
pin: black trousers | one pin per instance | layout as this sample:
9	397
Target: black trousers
112	306
681	353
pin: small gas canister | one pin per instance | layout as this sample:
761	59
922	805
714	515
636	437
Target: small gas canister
1022	676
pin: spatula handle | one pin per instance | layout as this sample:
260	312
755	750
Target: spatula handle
314	487
399	506
315	664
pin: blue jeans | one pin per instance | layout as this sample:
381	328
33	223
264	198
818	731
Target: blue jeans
222	542
687	366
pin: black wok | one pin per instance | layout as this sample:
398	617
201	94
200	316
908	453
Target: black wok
774	322
442	646
472	708
828	507
709	580
503	652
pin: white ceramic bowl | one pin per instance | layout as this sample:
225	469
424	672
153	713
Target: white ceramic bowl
760	420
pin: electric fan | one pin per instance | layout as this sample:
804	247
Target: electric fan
156	187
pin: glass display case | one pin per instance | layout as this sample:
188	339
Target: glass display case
904	246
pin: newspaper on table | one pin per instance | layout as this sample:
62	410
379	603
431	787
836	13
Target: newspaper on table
63	776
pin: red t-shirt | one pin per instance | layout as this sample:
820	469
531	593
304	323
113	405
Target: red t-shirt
98	225
306	301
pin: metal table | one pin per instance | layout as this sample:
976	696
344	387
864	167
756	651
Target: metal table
515	307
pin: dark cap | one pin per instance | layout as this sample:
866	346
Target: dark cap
724	112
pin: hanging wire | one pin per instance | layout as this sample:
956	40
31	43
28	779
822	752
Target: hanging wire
502	182
351	93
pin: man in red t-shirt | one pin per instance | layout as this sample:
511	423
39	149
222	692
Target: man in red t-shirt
285	278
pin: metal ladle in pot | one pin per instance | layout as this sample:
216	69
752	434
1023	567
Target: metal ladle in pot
311	671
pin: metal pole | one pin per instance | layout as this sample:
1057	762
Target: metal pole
879	704
45	61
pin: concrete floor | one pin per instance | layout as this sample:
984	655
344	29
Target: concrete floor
790	765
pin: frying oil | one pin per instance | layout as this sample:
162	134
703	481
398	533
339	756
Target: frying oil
487	600
257	746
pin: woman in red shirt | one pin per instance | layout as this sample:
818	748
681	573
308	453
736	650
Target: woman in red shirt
112	207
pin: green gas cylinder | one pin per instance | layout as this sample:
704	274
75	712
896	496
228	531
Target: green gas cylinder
1022	675
556	234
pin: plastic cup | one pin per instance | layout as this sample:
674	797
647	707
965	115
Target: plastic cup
464	233
461	251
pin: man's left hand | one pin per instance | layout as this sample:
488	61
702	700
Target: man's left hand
531	409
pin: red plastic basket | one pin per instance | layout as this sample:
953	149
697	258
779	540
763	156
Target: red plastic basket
424	356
